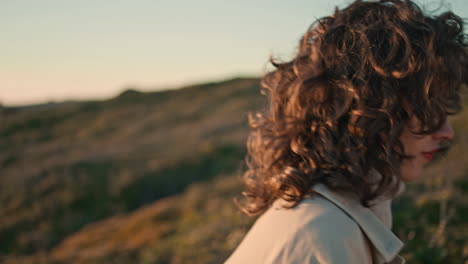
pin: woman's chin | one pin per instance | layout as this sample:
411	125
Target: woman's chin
411	174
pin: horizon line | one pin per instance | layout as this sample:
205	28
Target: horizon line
141	89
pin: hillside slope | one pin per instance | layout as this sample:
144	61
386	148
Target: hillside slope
150	177
68	165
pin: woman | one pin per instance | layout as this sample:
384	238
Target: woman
361	109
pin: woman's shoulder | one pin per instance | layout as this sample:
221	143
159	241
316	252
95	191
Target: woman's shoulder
314	213
315	228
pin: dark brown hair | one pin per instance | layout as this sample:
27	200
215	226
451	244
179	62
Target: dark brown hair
336	111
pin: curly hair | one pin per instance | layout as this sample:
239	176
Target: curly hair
336	111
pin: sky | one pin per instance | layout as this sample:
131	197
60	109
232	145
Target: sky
54	50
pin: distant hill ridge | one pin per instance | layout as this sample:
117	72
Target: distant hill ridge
132	92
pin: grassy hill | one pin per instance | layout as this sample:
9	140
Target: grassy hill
150	177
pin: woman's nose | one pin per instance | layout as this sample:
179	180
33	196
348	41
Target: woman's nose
445	132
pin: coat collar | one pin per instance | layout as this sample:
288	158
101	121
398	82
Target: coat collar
385	242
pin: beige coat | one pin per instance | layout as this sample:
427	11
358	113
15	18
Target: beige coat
323	229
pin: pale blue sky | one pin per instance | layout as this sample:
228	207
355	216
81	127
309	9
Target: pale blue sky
64	49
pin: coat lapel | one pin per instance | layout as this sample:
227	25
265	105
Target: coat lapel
385	242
